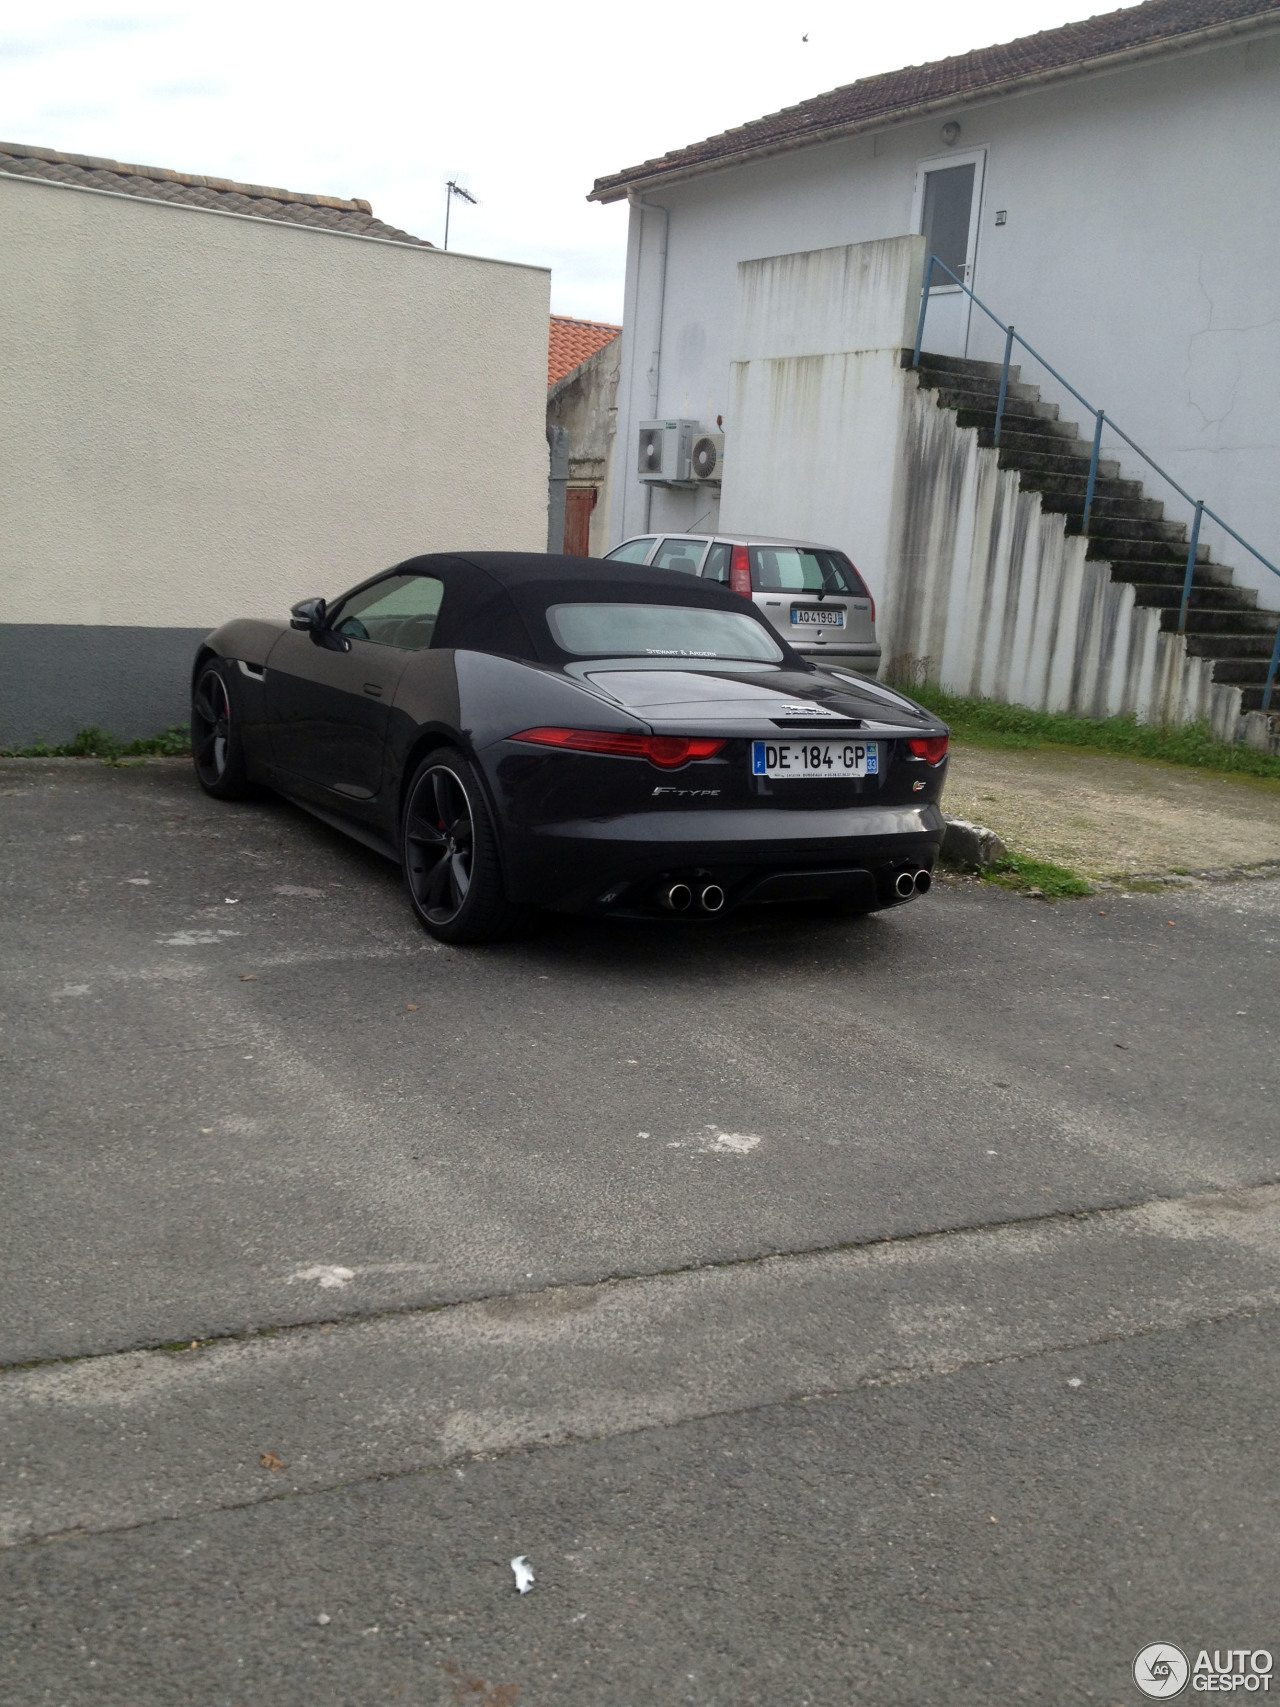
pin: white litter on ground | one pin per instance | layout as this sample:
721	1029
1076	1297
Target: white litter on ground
524	1574
193	939
734	1143
326	1274
711	1141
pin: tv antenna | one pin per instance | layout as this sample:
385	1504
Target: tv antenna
453	189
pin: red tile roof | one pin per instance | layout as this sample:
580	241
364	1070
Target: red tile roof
572	341
158	183
874	102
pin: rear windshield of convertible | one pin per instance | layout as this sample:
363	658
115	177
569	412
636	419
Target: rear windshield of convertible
659	631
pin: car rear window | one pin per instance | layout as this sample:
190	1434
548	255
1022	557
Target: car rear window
659	631
795	569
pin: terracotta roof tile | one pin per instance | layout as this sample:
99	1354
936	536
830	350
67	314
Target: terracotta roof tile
876	101
158	183
572	341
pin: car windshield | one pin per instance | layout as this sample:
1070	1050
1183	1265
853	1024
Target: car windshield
659	631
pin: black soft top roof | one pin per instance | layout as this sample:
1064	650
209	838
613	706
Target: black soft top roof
496	601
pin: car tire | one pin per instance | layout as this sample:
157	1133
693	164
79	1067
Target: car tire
216	746
449	855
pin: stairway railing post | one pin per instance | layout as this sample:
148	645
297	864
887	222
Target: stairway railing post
1004	381
924	309
1191	568
1093	471
1271	673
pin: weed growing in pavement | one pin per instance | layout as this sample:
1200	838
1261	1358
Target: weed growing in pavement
95	743
1053	882
988	723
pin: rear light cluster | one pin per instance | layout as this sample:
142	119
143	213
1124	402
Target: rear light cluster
932	748
740	571
668	752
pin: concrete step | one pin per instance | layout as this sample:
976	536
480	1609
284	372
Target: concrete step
1201	620
1228	645
1242	672
1251	697
1169	597
1057	461
977	385
1105	509
1169	574
983	409
1137	551
1168	535
1077	485
1058	438
957	364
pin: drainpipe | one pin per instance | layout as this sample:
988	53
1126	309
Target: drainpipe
557	486
635	199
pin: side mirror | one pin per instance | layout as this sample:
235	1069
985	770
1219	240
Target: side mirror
308	616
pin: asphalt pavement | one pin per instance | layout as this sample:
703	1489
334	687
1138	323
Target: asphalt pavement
832	1311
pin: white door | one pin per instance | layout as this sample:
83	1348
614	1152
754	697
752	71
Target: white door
948	200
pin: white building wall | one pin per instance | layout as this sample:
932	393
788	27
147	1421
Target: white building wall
1141	255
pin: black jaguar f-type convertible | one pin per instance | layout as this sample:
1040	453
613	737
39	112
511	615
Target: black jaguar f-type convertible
521	732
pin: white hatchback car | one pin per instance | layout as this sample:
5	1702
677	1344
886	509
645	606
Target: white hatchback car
812	594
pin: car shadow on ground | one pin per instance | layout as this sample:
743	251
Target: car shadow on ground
813	935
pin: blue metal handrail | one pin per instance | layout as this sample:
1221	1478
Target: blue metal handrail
1101	419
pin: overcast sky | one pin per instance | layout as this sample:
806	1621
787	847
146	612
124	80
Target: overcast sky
526	105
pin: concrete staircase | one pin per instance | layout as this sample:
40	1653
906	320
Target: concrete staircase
1127	530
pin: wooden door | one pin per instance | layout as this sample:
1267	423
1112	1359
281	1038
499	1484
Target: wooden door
579	501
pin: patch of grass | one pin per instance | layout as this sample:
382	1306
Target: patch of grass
987	723
1016	871
95	743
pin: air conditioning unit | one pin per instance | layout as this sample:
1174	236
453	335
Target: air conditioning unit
706	458
664	451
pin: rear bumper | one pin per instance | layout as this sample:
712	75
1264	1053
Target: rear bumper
598	866
864	659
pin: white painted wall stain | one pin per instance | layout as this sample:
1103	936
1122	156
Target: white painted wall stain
978	588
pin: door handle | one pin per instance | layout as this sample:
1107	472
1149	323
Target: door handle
373	690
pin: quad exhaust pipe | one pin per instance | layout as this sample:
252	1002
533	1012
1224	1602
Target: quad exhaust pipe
909	883
711	897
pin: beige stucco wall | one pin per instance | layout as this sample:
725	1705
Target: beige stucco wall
203	415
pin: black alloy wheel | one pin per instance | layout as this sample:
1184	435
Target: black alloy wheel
450	855
215	736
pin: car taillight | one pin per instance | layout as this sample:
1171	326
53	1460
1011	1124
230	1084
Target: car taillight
933	748
740	571
665	751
